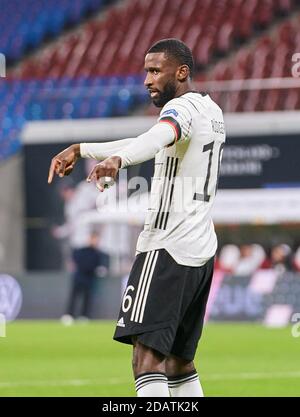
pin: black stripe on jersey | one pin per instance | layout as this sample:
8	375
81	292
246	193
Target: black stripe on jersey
169	187
174	123
163	190
171	196
167	193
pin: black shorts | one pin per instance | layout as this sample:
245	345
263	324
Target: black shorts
164	304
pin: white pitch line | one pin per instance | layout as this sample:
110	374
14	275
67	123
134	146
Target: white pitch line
117	381
69	382
252	375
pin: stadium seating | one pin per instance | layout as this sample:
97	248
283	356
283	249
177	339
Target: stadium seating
63	98
116	45
96	71
269	57
25	24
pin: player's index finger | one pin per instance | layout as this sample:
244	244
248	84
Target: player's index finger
51	171
89	178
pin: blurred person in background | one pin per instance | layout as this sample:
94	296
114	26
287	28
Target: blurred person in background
77	200
281	258
89	264
296	260
116	236
62	232
228	258
251	259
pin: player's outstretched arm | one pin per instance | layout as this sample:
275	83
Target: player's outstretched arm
147	145
140	149
63	163
104	150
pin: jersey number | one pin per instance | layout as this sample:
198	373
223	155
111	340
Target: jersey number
209	147
127	299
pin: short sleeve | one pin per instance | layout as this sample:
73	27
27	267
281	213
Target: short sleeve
177	114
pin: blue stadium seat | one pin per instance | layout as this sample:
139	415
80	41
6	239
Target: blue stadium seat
26	23
64	98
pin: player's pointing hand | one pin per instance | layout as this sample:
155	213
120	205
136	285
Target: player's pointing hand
107	168
63	163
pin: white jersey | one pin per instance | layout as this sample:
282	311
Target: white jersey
185	182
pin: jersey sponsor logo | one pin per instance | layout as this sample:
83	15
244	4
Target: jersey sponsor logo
139	306
171	111
167	194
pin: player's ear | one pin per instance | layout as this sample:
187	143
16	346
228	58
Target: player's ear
183	72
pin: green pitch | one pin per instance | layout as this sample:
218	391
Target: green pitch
44	358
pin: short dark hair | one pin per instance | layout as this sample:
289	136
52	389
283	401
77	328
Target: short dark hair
177	49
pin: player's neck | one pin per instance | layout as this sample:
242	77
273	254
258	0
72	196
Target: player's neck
184	88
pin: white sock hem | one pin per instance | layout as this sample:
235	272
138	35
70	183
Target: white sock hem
185	386
152	384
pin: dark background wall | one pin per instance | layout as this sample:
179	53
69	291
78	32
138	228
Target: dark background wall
45	295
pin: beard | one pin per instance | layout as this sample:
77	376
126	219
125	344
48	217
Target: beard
166	95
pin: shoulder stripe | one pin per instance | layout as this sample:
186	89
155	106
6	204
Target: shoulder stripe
174	124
